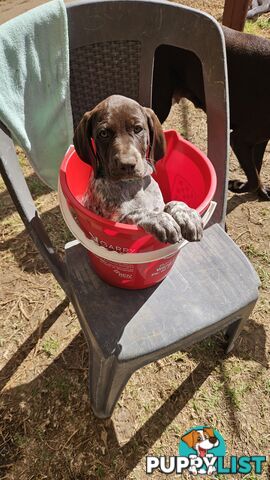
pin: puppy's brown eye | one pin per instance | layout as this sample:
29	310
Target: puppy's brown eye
104	133
137	129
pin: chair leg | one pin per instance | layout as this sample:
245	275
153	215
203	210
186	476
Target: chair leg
107	379
233	333
236	327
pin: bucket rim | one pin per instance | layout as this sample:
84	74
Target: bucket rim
106	223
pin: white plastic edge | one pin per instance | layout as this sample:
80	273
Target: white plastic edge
131	258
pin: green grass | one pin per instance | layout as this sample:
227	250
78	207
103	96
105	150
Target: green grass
208	400
267	386
20	440
256	27
50	346
236	394
36	187
264	212
253	252
264	276
22	158
251	476
261	262
100	471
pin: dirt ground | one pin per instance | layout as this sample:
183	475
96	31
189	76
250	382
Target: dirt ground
47	428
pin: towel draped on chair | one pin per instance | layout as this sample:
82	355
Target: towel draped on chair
34	78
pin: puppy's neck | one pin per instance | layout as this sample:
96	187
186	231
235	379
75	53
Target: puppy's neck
128	186
115	199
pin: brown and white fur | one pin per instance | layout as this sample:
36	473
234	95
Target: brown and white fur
122	140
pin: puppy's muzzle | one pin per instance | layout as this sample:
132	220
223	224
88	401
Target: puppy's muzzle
127	164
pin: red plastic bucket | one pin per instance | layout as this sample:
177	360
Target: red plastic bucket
125	255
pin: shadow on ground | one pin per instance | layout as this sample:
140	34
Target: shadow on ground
237	200
23	249
49	420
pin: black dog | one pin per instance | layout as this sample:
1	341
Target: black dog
178	73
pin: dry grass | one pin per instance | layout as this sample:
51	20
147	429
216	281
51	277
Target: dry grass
47	429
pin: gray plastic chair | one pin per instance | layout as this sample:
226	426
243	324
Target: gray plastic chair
212	286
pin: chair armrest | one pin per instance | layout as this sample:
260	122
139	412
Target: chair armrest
21	196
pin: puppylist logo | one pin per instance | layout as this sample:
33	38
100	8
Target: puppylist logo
202	451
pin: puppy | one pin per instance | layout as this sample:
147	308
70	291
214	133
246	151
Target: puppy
178	73
122	140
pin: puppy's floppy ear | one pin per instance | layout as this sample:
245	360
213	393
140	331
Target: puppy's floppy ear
189	438
83	142
157	138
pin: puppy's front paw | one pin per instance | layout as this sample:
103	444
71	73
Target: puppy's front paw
187	218
163	227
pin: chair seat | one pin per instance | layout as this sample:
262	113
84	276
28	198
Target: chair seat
210	282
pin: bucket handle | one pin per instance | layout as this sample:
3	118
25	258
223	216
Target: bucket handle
131	258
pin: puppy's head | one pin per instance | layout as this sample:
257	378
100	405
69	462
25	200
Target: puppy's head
118	138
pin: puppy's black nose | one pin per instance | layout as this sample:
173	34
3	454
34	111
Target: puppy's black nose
213	440
127	167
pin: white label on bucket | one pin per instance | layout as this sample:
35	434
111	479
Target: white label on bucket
116	248
123	270
123	275
162	268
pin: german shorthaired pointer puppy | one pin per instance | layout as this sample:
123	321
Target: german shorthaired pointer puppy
122	140
178	74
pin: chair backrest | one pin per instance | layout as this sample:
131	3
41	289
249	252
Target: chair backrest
112	47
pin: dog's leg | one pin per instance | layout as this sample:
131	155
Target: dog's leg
263	191
244	154
176	222
250	159
187	218
160	224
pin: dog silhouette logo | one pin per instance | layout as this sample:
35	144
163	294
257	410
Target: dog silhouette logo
202	451
202	445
